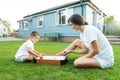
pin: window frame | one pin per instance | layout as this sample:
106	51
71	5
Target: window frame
62	17
40	19
65	13
23	23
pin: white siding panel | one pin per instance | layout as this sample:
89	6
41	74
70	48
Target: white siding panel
89	15
3	30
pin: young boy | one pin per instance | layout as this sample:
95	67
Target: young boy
26	52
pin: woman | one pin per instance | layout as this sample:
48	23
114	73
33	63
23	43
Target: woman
98	50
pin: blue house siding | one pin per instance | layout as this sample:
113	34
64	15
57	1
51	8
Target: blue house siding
77	10
66	30
84	12
49	20
34	22
24	33
50	23
50	26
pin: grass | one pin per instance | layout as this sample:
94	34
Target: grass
11	70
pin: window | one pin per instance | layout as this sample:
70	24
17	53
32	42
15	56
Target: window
4	29
0	22
94	18
40	21
69	12
20	25
63	15
24	25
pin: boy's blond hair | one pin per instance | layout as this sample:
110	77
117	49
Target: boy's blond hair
34	33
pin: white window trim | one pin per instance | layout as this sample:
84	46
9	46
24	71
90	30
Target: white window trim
20	25
66	14
24	25
61	17
57	18
42	21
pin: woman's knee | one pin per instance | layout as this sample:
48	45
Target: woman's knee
78	63
75	63
77	40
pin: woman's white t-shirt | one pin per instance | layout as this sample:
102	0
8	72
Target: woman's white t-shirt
22	51
90	34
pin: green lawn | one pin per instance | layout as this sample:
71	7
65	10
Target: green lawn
11	70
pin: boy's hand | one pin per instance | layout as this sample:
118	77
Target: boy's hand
39	55
42	54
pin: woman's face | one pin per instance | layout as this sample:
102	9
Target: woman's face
74	26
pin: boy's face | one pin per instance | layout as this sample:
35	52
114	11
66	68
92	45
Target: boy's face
35	39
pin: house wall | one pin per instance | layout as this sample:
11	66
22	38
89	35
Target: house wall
95	19
89	16
3	30
100	22
78	10
49	25
1	34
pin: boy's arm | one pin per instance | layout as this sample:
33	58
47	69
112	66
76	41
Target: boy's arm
33	52
38	52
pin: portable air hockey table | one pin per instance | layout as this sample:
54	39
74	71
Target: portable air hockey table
52	60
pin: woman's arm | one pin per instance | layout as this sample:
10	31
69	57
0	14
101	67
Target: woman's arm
84	49
95	49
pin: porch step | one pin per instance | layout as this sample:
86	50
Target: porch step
114	39
116	43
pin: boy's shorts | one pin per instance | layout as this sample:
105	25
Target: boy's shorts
19	59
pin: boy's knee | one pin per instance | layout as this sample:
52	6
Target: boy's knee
28	58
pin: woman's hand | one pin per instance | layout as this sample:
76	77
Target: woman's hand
64	53
68	51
